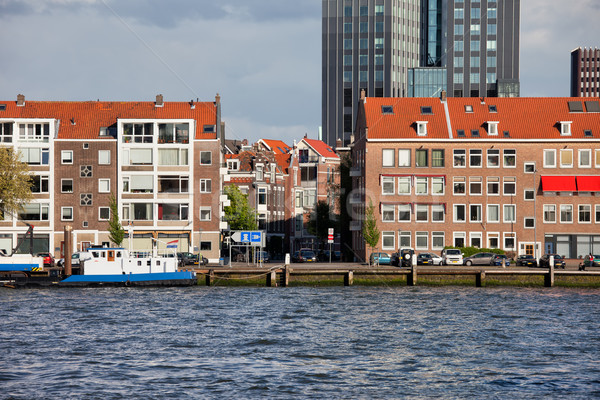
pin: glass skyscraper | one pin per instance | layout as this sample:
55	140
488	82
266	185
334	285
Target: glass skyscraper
400	48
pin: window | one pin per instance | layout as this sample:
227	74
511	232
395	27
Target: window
421	158
566	158
509	213
404	185
233	165
205	213
597	158
404	158
34	132
549	213
493	213
459	185
404	239
421	212
388	158
585	213
509	241
550	158
262	196
205	186
205	246
493	240
388	240
422	128
139	157
437	158
387	213
378	59
85	199
138	133
172	212
565	128
475	158
566	213
437	213
86	171
438	239
421	240
104	157
66	157
103	185
34	212
387	185
493	158
475	213
103	213
6	132
347	76
529	168
404	213
205	158
585	158
529	194
437	185
529	222
172	157
460	158
173	184
40	183
510	186
66	213
475	185
475	238
141	211
138	184
421	185
66	185
460	212
597	213
347	44
493	186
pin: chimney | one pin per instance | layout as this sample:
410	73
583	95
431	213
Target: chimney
218	99
338	143
443	96
159	100
20	100
363	94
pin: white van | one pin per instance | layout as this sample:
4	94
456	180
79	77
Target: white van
452	257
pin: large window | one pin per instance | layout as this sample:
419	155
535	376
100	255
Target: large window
387	213
404	213
437	158
493	213
40	183
138	184
173	184
172	157
139	211
388	240
172	212
138	133
404	185
34	132
34	155
566	213
34	212
585	213
404	158
510	211
475	158
460	212
173	133
387	185
421	158
460	158
138	157
549	213
550	158
388	158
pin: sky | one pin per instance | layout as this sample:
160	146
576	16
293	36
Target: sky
263	57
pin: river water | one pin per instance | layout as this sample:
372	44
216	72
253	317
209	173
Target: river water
288	343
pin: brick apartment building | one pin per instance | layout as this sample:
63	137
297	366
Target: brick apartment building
161	160
487	172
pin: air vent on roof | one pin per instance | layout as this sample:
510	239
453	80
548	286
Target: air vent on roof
587	133
492	109
2	107
475	132
469	108
592	106
575	106
460	133
209	128
387	109
426	110
506	134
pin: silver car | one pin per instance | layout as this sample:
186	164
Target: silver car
480	259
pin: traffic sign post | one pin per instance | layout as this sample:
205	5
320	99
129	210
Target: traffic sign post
249	238
330	240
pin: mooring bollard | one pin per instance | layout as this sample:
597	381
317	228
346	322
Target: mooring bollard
411	278
349	278
210	277
271	278
549	277
480	279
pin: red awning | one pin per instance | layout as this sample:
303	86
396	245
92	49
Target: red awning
588	183
558	184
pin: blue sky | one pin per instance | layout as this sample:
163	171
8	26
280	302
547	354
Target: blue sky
262	56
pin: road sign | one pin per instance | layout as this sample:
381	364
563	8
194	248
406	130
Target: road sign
330	236
254	238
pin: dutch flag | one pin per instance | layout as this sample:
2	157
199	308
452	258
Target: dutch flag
172	245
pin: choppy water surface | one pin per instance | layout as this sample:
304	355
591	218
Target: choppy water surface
346	342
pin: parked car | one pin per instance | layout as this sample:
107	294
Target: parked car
435	259
380	258
424	259
526	260
186	258
595	262
395	259
452	257
501	260
559	262
76	258
482	258
264	256
304	255
48	259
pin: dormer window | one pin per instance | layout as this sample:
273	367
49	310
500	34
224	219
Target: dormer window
426	110
492	128
233	165
460	133
492	109
468	108
565	128
422	128
387	110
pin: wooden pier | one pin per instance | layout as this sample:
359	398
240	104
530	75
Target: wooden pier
280	275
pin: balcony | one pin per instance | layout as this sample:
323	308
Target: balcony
355	225
355	198
355	171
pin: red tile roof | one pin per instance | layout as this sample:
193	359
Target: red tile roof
276	146
321	147
522	118
90	116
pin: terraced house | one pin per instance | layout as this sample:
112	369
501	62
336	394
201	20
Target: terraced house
487	172
161	160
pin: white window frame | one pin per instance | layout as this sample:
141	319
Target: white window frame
474	180
480	217
493	128
579	210
473	153
437	235
404	206
404	235
525	220
565	128
105	181
454	213
405	180
597	158
566	151
202	186
419	182
507	154
422	235
566	207
459	154
490	236
529	167
204	209
492	153
509	235
421	128
579	158
385	210
475	235
459	179
548	207
61	185
66	157
385	182
103	157
385	155
438	181
100	213
419	208
525	191
200	157
403	160
440	210
487	214
506	213
493	180
62	213
548	152
508	180
388	235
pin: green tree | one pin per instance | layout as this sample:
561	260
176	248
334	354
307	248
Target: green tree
115	229
15	182
320	221
369	230
238	213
